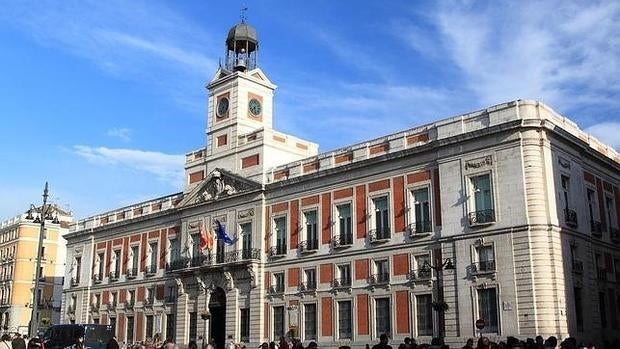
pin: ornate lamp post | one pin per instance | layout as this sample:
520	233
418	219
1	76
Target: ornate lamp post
440	306
40	218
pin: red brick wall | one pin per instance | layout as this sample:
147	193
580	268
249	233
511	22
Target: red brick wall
293	277
381	148
326	316
294	224
360	211
222	140
361	269
266	322
418	177
196	176
362	314
402	311
588	177
379	185
277	208
143	254
343	193
162	248
124	255
326	218
343	158
311	200
326	273
108	258
401	264
159	292
139	334
399	204
140	294
120	327
250	161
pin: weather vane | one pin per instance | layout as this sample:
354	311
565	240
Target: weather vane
244	9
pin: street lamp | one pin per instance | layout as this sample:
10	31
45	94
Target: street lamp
441	305
45	214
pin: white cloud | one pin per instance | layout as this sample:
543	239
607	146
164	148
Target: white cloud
607	132
124	134
166	167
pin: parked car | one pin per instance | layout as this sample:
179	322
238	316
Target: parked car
62	336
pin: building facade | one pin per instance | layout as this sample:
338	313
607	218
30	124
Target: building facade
507	217
19	238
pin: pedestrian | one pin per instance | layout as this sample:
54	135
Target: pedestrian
18	342
469	344
112	343
551	342
35	343
283	343
483	343
312	345
192	345
383	342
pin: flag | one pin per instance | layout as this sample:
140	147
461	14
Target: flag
206	238
222	235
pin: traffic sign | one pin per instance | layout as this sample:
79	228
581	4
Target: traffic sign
480	324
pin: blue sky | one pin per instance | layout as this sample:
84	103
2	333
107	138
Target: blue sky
103	98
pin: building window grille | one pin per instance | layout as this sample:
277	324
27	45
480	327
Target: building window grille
344	320
278	322
345	231
383	316
280	224
310	322
422	222
424	314
381	217
130	329
193	325
487	309
482	200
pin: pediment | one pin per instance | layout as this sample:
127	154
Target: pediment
257	73
220	73
218	185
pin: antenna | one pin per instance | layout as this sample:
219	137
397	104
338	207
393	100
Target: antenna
243	16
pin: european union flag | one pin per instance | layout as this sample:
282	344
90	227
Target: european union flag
222	235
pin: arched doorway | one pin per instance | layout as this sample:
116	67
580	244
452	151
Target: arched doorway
217	309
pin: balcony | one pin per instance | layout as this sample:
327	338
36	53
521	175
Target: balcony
614	235
482	217
483	267
114	275
242	255
307	286
419	229
75	281
200	260
570	217
276	289
308	246
151	270
342	241
577	266
277	251
601	274
177	264
596	228
148	302
422	274
132	273
341	282
379	235
129	305
97	278
379	279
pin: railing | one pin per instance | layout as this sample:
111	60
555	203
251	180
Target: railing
341	282
97	278
379	279
113	276
570	217
200	260
420	228
420	274
601	274
577	266
482	217
376	235
242	255
112	305
614	234
596	228
132	273
75	281
177	264
148	302
276	289
150	270
483	267
129	305
277	251
308	246
339	241
307	286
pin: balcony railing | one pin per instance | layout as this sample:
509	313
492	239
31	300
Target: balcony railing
341	282
308	246
129	305
113	276
132	273
150	270
200	260
378	235
340	241
97	278
307	286
570	217
379	279
483	267
177	264
242	255
421	228
601	274
148	302
420	274
614	235
276	289
482	217
75	281
596	228
277	251
577	266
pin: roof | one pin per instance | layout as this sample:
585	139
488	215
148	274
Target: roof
242	31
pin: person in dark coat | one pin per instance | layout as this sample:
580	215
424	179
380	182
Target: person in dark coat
18	342
112	343
383	342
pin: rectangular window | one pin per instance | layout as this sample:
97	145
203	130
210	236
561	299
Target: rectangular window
345	231
170	322
78	269
175	250
310	322
344	275
279	278
383	316
424	314
153	257
487	309
193	325
486	259
134	261
611	211
131	297
382	271
344	320
220	250
246	234
382	217
130	326
100	266
578	308
310	279
113	325
245	325
422	211
422	266
591	198
565	181
311	232
483	196
278	322
113	298
280	225
149	326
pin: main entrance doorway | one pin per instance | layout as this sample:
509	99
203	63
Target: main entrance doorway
217	309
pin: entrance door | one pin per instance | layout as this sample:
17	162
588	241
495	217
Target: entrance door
217	308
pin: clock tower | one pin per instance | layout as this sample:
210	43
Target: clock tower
240	134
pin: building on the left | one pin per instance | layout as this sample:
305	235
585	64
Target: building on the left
19	238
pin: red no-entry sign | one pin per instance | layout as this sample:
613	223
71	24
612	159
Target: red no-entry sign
480	324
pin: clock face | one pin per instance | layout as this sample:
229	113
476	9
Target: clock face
222	106
255	107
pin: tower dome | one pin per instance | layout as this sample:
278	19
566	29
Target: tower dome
241	47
